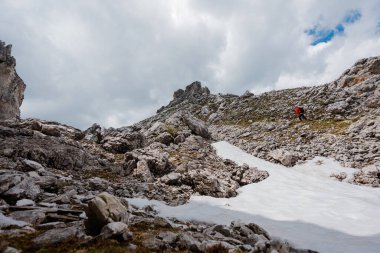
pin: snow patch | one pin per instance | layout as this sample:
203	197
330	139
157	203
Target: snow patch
6	222
302	204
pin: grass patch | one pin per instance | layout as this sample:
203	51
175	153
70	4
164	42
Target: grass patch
181	156
332	126
171	130
217	248
76	245
106	174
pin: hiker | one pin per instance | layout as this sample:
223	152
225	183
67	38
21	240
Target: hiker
300	113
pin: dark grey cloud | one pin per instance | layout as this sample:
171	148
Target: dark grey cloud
117	62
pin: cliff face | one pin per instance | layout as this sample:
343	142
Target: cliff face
11	85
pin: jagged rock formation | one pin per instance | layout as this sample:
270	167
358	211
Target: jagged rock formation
11	85
193	92
362	70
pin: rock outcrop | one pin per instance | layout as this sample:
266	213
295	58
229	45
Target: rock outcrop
11	85
362	70
194	92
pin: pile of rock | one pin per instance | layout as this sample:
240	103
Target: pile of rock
108	218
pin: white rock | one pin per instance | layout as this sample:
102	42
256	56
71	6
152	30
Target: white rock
25	202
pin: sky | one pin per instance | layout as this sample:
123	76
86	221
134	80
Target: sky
116	62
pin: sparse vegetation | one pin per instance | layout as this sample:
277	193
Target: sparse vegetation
331	126
171	130
217	248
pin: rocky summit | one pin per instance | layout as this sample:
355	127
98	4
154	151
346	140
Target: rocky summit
66	190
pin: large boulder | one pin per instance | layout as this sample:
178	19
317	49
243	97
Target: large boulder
196	126
155	161
284	157
122	140
104	209
11	85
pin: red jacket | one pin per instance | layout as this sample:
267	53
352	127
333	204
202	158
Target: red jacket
298	110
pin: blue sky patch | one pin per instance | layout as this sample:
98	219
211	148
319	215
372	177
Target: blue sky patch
352	17
321	34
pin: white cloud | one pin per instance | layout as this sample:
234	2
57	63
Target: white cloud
117	62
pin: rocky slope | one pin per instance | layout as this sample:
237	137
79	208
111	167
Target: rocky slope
344	120
65	189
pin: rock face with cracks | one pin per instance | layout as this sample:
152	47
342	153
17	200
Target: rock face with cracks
11	85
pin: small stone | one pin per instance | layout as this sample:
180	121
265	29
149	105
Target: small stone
116	230
25	202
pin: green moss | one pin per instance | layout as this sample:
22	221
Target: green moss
171	130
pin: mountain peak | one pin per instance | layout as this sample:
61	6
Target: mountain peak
193	92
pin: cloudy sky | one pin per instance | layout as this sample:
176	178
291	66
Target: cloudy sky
116	62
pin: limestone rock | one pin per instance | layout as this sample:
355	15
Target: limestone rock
34	217
11	85
122	141
152	156
116	230
94	133
56	236
284	157
11	250
25	202
165	138
51	130
104	209
338	107
7	222
361	71
15	186
196	126
369	175
192	91
33	164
